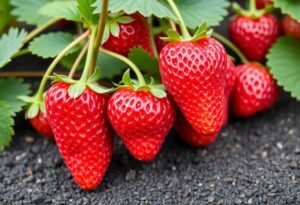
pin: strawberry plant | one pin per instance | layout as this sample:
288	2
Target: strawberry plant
183	77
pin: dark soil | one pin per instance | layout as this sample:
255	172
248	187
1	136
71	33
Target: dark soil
254	161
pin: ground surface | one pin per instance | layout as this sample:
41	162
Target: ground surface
254	161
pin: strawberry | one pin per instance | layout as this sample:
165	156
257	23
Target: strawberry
260	4
41	124
141	120
254	36
189	135
193	72
291	26
159	42
125	32
229	85
81	132
255	90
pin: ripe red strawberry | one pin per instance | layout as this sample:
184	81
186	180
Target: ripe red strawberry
189	135
81	132
229	85
159	42
130	34
194	75
260	4
254	36
141	120
41	124
255	90
291	27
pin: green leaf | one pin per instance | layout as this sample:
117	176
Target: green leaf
109	66
144	7
62	10
28	11
194	12
291	7
284	61
10	44
51	44
6	123
86	10
32	111
126	79
144	61
5	16
10	90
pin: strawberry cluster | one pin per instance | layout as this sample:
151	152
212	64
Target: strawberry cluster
200	87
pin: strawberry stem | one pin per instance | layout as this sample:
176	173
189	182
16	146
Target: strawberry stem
99	35
136	70
78	60
50	69
89	58
39	29
252	6
184	30
228	43
153	45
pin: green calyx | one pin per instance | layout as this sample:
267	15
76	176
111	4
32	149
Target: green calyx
78	87
112	25
201	32
157	90
33	106
253	12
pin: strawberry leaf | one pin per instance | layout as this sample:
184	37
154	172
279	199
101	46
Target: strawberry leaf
291	7
144	7
62	10
109	67
6	123
86	10
194	12
144	61
28	11
5	9
10	90
10	44
76	90
58	41
284	61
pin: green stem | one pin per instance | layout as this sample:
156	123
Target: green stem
78	60
21	52
89	58
100	32
252	6
231	46
39	29
128	62
152	38
185	32
60	56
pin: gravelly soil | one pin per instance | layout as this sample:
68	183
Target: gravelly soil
254	161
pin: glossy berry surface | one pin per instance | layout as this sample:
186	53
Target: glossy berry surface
291	26
131	35
189	135
255	36
194	75
255	90
41	124
260	4
141	120
81	132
